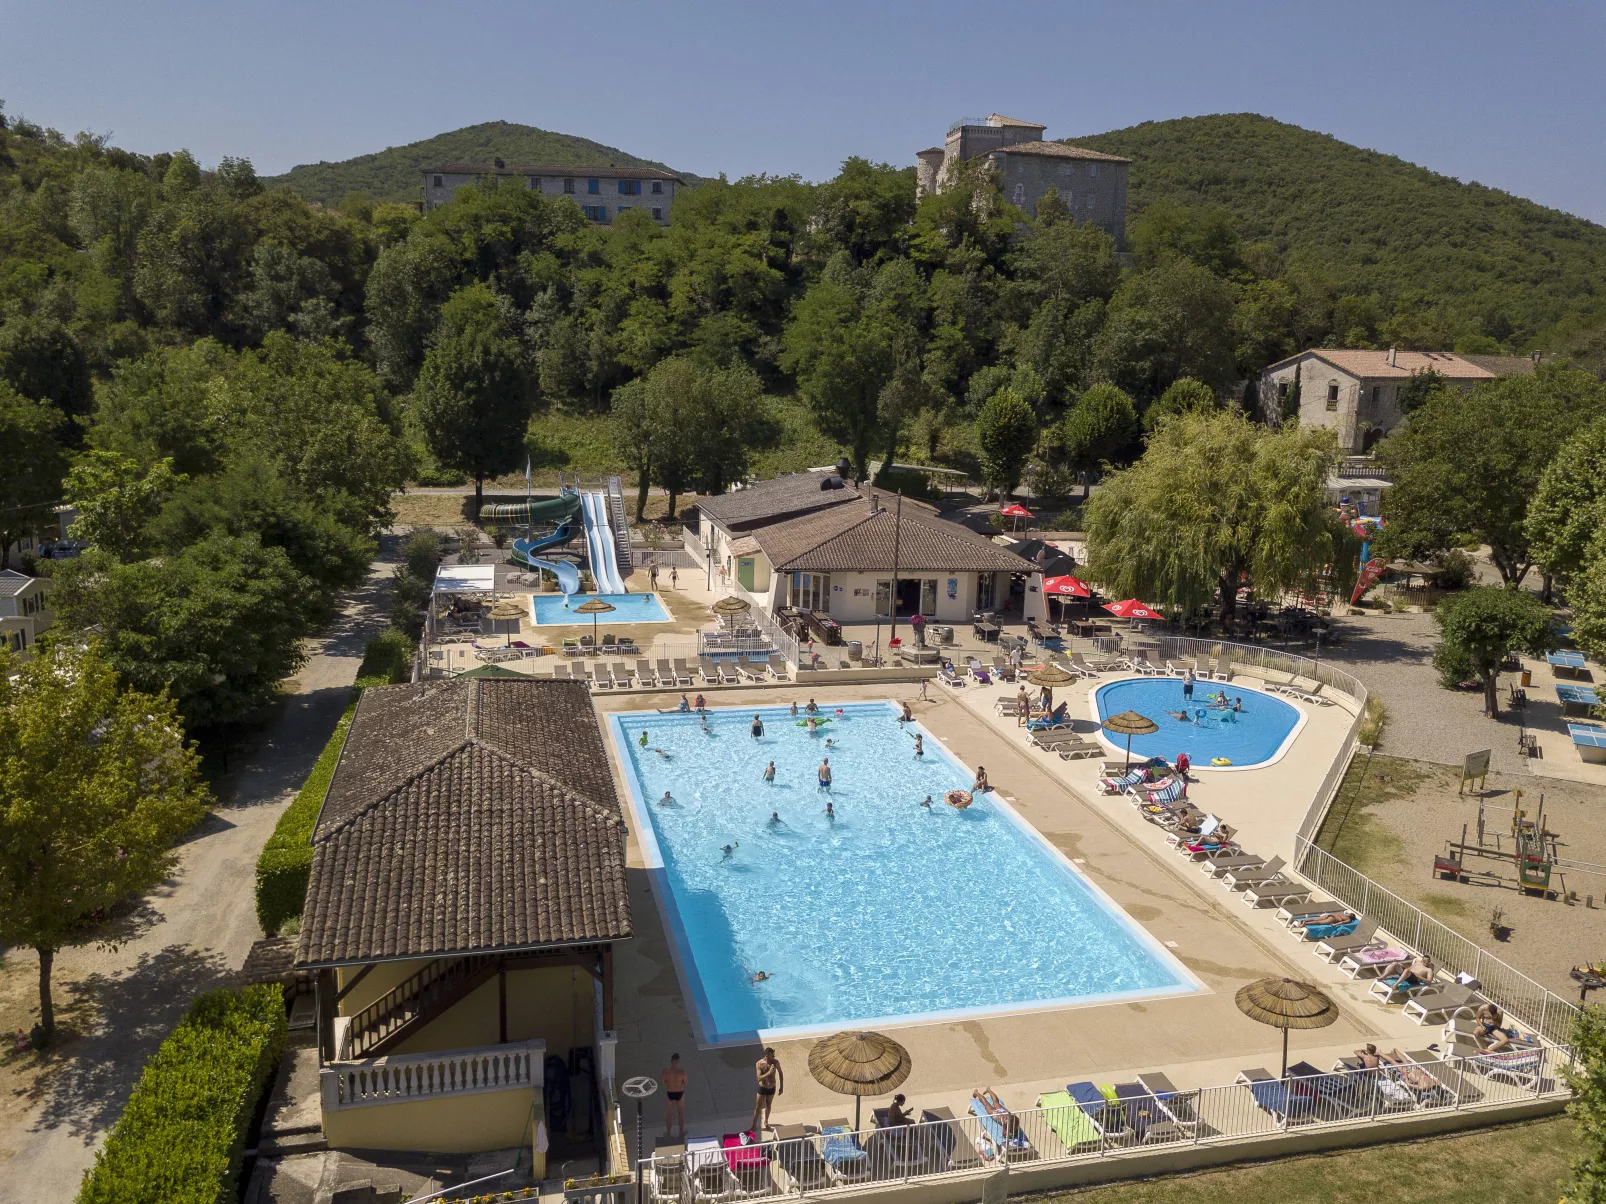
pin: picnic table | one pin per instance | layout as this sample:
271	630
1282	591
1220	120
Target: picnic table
1589	741
1567	663
1583	698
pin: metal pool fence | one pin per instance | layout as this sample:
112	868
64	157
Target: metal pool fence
832	1158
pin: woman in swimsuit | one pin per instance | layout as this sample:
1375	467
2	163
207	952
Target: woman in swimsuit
758	727
771	1082
920	745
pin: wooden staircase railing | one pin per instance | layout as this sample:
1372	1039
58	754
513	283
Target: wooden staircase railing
414	1002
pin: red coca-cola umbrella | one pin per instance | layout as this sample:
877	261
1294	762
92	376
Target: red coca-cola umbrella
1131	608
1014	511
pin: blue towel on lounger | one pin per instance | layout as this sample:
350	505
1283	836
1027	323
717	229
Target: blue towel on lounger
1321	932
841	1146
995	1131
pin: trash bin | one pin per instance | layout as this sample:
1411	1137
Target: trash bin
855	650
1527	678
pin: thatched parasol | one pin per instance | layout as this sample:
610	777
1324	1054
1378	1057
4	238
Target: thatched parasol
1129	724
594	607
1049	676
1286	1003
731	607
859	1064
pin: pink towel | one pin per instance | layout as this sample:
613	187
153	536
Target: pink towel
1372	957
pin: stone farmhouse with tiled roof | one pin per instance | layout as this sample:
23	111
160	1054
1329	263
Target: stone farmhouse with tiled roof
1091	183
1356	393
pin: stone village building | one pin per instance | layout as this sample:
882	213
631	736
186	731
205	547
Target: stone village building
601	192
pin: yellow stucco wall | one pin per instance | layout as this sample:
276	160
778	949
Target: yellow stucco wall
554	1004
461	1124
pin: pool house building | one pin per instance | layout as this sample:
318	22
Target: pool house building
816	543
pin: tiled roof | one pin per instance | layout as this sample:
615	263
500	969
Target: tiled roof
593	170
850	539
1058	150
1375	364
466	816
795	494
12	582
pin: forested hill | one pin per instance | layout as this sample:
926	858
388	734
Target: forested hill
1371	222
392	174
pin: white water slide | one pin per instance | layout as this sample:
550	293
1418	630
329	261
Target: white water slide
600	545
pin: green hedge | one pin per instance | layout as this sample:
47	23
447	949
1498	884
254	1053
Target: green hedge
182	1134
286	860
389	656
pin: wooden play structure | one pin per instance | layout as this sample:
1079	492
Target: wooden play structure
1528	847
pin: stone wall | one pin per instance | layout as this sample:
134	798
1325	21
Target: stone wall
1095	192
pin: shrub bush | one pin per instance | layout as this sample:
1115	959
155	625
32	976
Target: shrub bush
182	1134
285	862
387	658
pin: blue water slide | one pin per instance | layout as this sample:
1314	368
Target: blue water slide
568	576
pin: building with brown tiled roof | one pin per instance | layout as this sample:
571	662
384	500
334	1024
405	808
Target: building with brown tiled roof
838	561
1091	183
466	888
601	192
1357	392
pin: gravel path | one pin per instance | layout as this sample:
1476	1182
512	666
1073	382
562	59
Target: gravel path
1393	655
191	934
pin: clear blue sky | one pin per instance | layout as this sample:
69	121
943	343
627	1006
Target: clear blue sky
1512	95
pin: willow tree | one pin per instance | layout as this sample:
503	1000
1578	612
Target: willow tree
1215	500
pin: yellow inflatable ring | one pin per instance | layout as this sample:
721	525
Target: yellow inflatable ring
1220	761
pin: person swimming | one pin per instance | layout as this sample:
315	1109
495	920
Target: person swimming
769	773
667	801
1238	704
830	811
839	712
644	737
824	773
1179	716
761	976
926	802
813	723
703	720
775	818
813	707
829	743
728	849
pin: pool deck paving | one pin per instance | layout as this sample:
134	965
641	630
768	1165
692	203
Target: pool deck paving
1221	941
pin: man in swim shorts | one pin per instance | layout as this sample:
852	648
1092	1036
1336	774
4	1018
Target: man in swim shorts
668	800
825	774
812	708
771	1082
674	1081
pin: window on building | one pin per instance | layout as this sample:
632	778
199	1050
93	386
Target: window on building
1093	170
629	187
568	186
658	215
594	187
812	591
533	182
1377	394
928	596
1282	390
437	183
1020	194
1332	395
657	187
986	591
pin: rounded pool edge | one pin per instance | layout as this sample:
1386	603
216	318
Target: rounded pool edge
1301	718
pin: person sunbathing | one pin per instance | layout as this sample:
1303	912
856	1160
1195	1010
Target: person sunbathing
1412	1075
995	1109
1417	973
1369	1057
1490	1028
1330	917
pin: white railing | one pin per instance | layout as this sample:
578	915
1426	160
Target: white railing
404	1078
1520	997
1139	1121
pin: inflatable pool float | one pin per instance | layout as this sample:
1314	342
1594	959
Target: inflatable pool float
818	722
958	799
1219	762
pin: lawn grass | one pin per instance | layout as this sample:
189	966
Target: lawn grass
1508	1164
1350	832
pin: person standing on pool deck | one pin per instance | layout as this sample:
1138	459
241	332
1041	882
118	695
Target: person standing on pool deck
1023	707
674	1080
758	727
771	1082
1187	684
769	773
674	578
825	774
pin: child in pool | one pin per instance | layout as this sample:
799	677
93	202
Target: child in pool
769	773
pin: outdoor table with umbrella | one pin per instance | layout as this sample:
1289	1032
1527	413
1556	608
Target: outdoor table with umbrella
1014	511
1131	608
1066	587
1129	724
594	607
1286	1003
1049	676
859	1064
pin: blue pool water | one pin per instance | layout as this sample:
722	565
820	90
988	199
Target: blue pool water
550	610
1252	736
889	910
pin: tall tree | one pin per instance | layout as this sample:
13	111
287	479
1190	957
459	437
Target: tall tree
1482	627
115	499
1471	463
31	465
1566	523
1214	500
1101	425
96	785
1586	1075
44	362
1182	396
1006	432
473	396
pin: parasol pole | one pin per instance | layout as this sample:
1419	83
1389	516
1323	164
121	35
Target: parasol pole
1127	768
1284	1074
892	603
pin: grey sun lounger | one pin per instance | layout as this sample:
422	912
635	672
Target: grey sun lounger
752	673
1178	1105
1280	890
644	674
1215	866
778	667
1050	738
798	1154
1364	937
1443	1002
954	1149
1078	752
707	671
1316	907
1238	877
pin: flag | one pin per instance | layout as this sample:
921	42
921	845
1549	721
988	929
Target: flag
1370	572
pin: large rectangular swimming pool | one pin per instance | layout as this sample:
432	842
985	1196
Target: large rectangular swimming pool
888	910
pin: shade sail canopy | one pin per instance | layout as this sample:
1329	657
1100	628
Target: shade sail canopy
465	578
1131	608
1051	675
1130	723
1069	587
